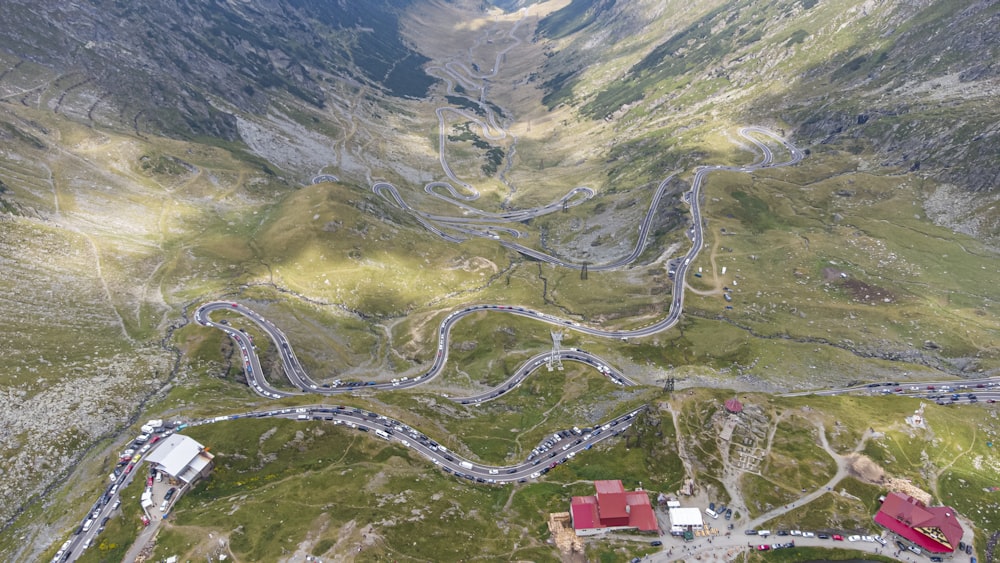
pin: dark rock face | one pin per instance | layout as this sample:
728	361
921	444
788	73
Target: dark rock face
175	59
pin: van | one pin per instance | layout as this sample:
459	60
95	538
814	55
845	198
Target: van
711	513
87	525
764	533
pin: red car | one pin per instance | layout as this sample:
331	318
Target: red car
838	537
763	547
930	387
154	439
149	482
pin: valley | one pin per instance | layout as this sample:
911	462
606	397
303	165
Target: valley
439	228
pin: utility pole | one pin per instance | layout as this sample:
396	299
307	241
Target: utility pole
668	384
555	358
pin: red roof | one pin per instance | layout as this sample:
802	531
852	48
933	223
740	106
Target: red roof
734	405
613	507
933	528
584	513
611	500
640	513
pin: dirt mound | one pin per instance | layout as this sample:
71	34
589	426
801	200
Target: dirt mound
863	468
565	538
866	293
908	488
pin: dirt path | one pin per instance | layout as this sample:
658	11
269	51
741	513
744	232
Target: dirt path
727	546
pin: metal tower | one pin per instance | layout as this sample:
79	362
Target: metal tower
555	359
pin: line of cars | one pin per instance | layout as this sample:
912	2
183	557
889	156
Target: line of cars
99	515
819	535
773	546
561	446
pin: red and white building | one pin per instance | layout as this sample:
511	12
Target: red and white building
612	508
932	528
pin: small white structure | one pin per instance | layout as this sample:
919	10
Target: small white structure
683	519
181	458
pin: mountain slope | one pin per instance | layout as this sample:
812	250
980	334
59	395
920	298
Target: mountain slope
172	62
914	83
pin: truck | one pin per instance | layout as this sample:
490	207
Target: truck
466	464
152	425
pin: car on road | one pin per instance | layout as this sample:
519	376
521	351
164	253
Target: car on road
656	543
763	547
838	537
853	538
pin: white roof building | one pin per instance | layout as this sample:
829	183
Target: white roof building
182	458
681	519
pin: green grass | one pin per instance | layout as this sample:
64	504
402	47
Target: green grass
831	512
796	460
507	428
333	482
815	554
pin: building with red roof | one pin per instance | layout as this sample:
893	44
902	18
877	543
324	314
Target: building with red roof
932	528
734	405
612	508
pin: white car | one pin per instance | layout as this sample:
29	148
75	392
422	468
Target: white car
795	533
808	535
853	538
